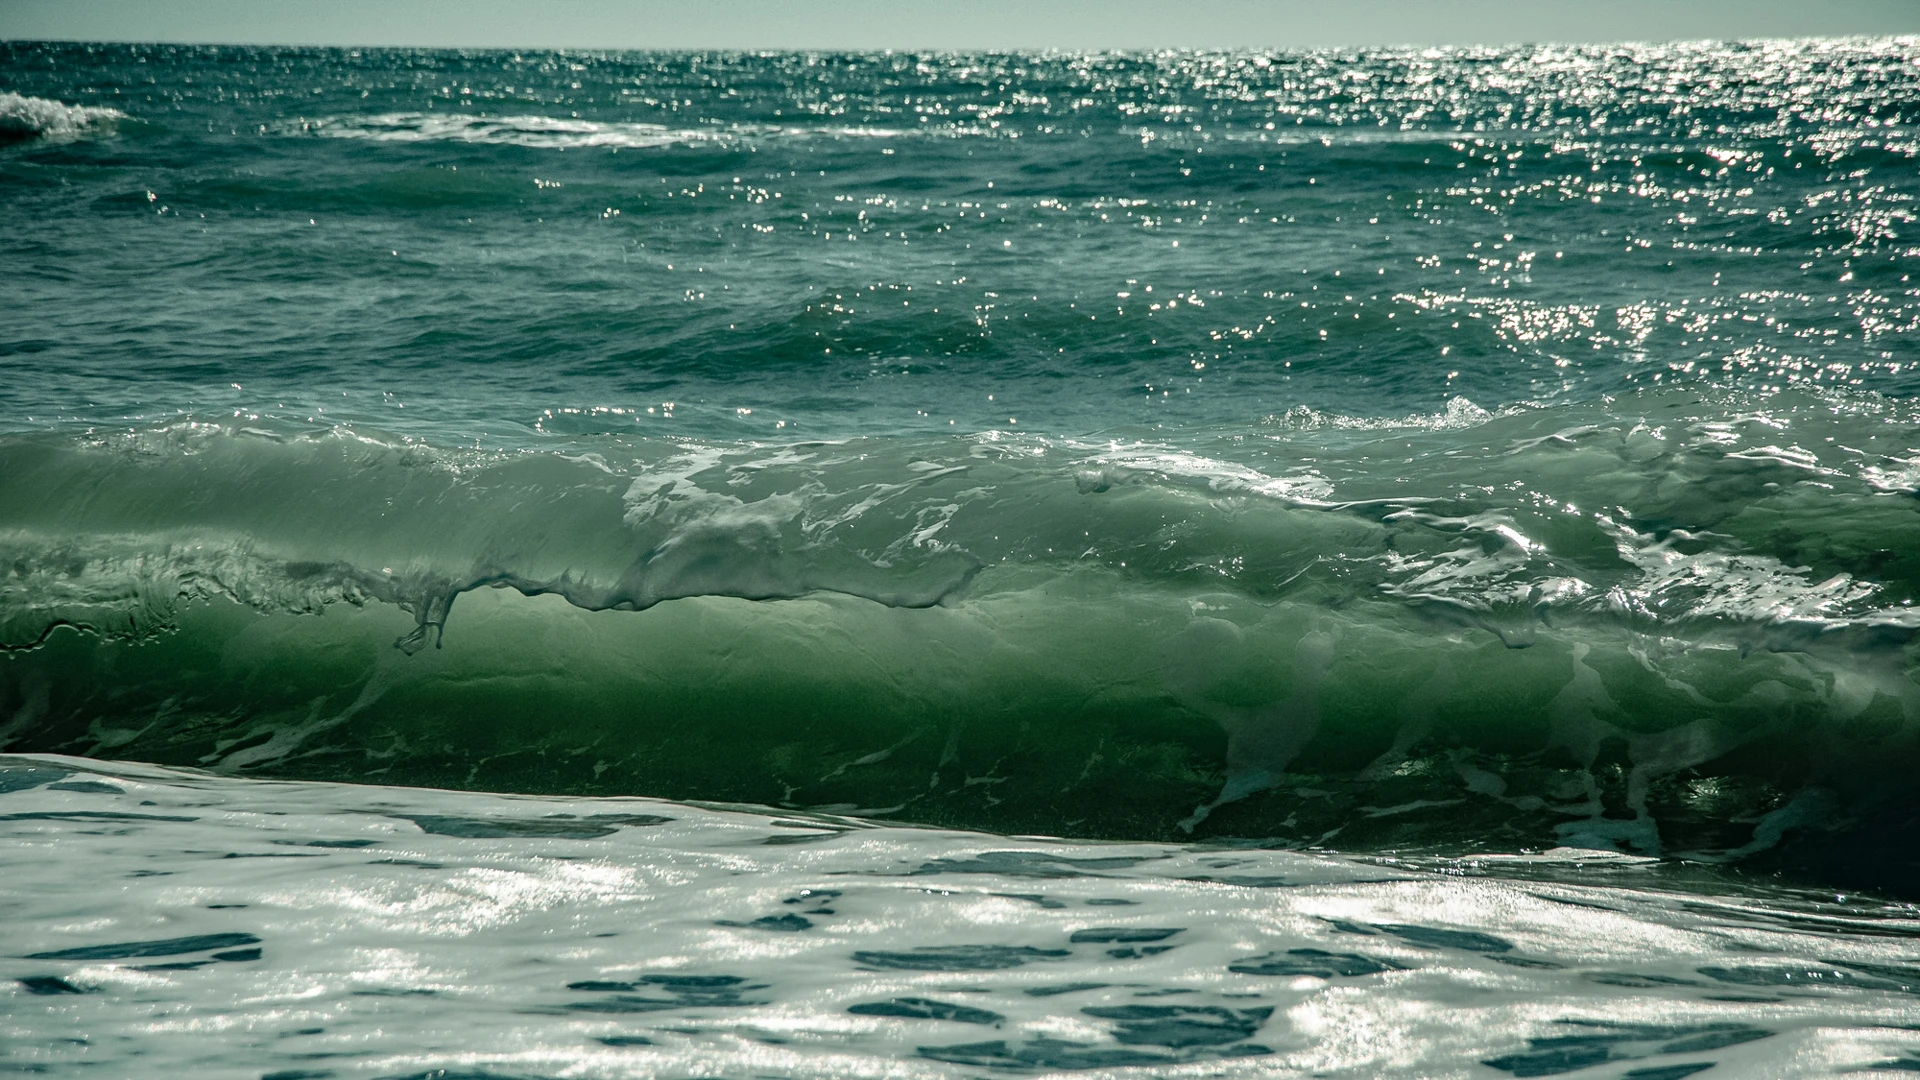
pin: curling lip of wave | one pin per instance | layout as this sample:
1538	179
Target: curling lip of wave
911	527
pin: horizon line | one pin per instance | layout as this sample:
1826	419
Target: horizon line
1014	50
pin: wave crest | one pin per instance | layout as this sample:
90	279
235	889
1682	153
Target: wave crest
559	133
23	117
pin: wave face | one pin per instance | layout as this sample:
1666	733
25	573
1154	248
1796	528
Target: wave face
1682	639
1437	451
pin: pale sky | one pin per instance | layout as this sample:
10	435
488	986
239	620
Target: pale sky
941	24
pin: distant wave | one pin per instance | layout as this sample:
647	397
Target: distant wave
24	117
548	132
535	131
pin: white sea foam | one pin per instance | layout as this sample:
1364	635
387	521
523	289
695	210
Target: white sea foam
1459	413
534	131
550	132
24	117
1179	468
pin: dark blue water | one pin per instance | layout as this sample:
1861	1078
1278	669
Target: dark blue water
1472	449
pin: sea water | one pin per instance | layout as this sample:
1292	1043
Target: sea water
1387	563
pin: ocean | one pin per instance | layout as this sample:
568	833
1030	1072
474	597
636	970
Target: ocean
1338	563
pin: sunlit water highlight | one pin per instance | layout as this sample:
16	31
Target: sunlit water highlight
328	930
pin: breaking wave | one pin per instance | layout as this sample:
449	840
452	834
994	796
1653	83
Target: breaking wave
24	118
549	132
1546	626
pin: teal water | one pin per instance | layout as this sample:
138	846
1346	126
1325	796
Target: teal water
1437	451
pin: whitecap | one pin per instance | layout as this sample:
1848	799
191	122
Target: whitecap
559	133
23	117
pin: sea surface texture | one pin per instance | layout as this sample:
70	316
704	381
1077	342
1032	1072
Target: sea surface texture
1313	462
314	930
